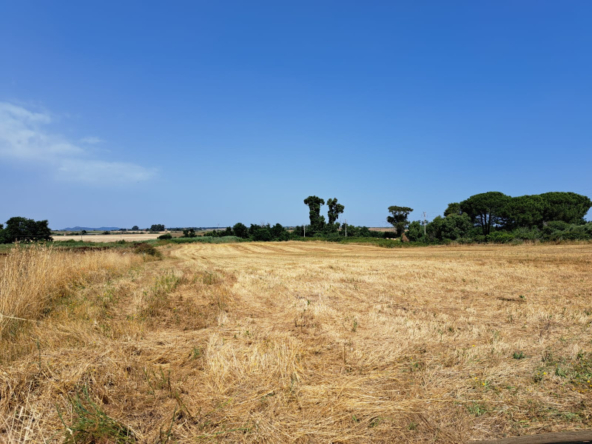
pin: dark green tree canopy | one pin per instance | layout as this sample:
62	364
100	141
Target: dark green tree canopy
453	209
524	211
20	229
314	203
453	227
567	207
135	228
398	218
335	209
157	227
189	232
486	209
241	230
495	209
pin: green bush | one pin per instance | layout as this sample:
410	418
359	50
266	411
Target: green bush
500	237
527	234
144	248
165	236
558	225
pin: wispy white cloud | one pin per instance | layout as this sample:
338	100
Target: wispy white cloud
91	140
94	171
25	136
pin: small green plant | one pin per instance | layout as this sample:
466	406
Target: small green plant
93	425
412	426
476	409
522	297
355	326
571	417
518	355
374	422
196	353
163	382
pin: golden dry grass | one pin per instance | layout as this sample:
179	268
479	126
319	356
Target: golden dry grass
314	342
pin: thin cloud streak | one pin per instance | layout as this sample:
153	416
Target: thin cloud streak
25	137
91	140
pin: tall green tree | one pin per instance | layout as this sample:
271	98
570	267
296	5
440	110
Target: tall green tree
241	230
567	207
453	209
278	232
335	209
452	227
415	231
20	229
524	211
317	222
398	218
486	210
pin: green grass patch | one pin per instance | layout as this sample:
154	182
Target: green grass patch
92	425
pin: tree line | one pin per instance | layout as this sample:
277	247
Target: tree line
496	217
485	217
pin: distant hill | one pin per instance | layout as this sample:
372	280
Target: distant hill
90	229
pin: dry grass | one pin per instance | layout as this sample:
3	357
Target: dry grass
32	277
311	342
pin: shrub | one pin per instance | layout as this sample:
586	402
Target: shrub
500	237
144	248
189	233
165	236
558	225
527	234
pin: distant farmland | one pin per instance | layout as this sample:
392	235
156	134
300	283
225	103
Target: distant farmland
108	237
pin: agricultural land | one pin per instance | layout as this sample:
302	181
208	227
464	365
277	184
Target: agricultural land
300	342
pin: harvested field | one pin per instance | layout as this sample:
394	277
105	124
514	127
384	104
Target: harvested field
310	342
390	229
109	237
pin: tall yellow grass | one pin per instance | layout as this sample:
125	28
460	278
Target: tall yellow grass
31	277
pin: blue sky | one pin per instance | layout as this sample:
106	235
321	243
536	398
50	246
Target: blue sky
203	113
